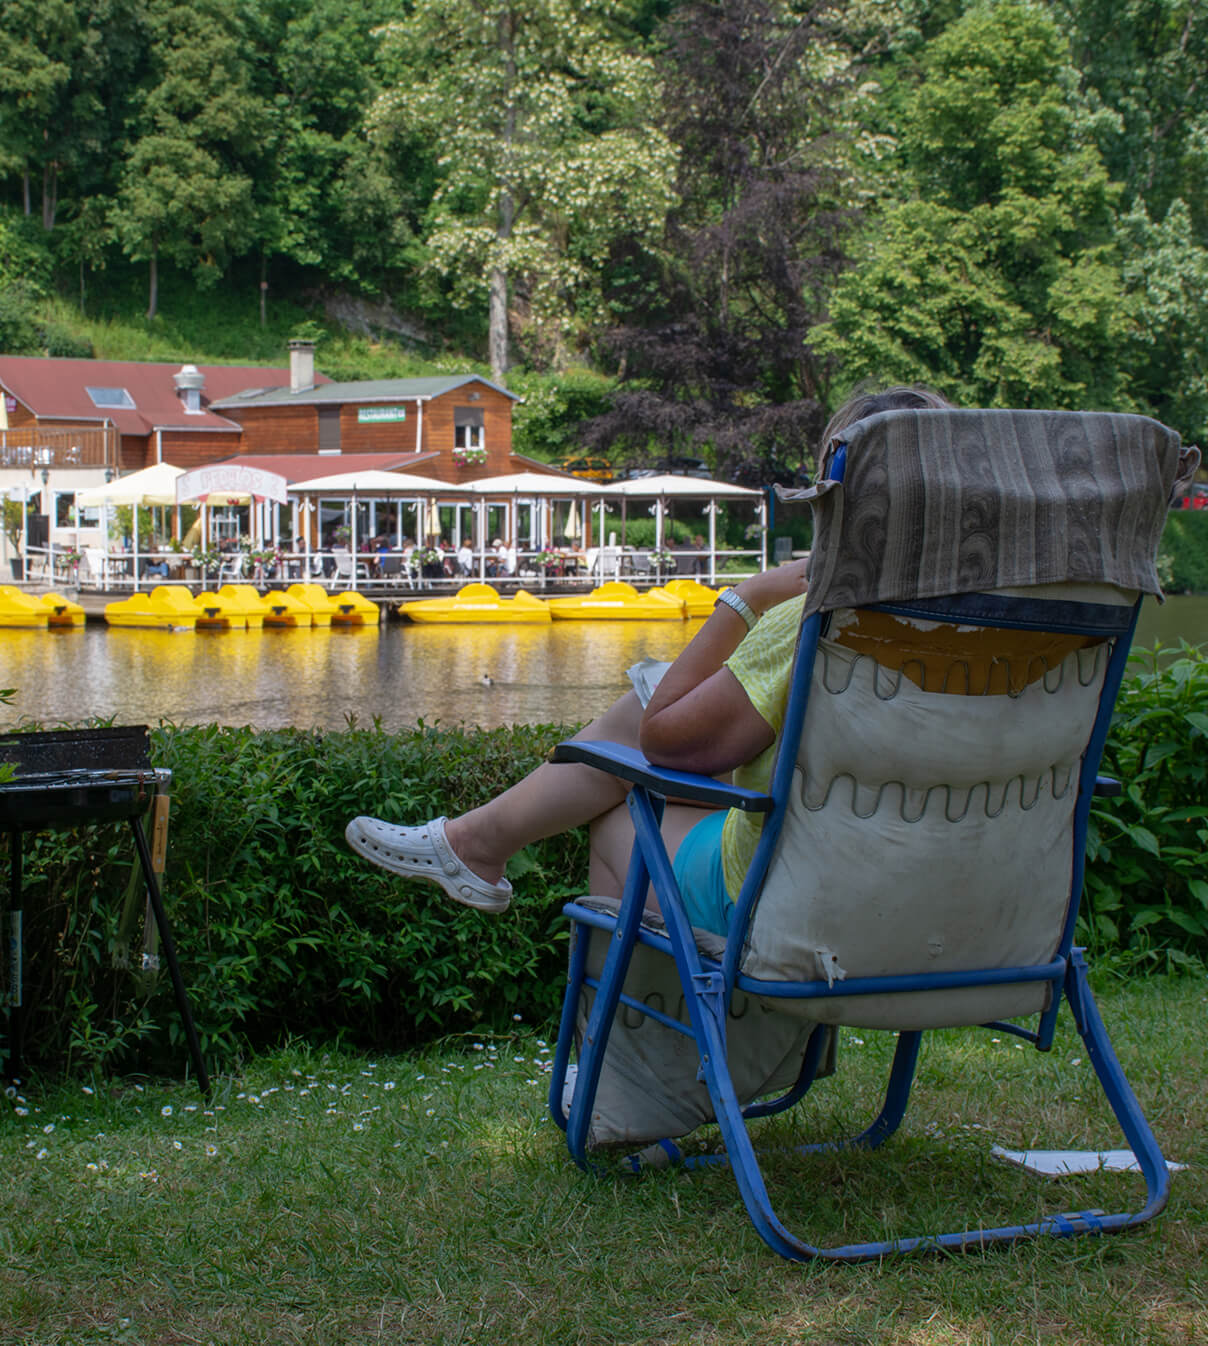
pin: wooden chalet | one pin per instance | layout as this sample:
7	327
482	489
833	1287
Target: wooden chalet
118	416
66	425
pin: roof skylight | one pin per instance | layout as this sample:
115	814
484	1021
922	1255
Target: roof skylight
110	397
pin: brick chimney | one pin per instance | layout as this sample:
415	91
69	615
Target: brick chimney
301	366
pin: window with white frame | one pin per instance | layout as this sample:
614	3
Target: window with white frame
469	429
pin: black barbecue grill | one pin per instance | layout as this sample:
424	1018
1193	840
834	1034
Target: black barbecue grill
71	777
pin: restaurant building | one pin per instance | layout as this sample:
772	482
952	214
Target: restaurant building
66	425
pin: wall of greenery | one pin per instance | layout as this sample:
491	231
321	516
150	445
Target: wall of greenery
1183	555
708	218
284	933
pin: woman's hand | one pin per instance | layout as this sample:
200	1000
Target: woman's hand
699	717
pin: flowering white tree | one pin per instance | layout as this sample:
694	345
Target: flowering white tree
548	152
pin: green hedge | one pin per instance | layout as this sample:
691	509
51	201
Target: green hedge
1147	850
1183	554
281	929
283	932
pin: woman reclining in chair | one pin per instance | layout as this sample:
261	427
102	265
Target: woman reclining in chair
717	709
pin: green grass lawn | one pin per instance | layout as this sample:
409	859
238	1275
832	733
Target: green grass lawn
329	1198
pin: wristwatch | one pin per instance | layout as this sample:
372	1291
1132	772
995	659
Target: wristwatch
740	605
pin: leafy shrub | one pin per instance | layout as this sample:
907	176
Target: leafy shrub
1147	853
63	344
280	928
1183	555
20	333
283	932
25	257
546	422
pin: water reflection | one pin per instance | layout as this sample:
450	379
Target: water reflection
1184	617
565	673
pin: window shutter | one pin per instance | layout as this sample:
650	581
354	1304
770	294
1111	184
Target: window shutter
329	429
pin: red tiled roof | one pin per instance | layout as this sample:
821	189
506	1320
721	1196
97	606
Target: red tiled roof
304	466
59	389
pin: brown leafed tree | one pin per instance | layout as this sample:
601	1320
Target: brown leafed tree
712	347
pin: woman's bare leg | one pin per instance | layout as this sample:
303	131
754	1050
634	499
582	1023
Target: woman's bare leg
553	798
612	841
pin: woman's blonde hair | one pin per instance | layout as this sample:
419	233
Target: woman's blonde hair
866	403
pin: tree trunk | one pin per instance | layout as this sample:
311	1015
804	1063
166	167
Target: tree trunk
153	302
50	195
497	311
263	290
25	188
497	323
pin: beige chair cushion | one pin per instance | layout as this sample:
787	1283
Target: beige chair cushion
926	832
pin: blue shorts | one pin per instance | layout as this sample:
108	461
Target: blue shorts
698	871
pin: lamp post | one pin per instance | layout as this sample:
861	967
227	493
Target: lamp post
50	545
43	459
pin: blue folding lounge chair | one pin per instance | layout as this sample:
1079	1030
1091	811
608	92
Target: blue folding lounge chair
921	860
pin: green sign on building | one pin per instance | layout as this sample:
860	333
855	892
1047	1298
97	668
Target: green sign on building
366	415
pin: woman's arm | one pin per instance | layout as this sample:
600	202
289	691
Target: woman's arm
700	718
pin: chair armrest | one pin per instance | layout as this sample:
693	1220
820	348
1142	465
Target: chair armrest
629	764
1107	787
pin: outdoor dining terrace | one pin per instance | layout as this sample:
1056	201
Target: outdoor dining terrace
379	572
388	531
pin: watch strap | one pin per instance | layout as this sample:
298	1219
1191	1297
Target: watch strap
733	600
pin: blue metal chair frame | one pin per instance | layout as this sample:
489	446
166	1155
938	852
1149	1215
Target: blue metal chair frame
709	984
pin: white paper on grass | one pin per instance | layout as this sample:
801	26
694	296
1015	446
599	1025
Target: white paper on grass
1057	1163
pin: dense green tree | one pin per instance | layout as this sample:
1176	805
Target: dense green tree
1146	62
186	186
38	41
541	115
66	69
758	99
1166	275
325	199
995	274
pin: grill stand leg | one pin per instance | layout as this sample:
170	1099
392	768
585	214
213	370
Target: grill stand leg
169	950
15	999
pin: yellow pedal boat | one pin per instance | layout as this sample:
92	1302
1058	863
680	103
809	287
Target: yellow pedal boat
61	611
244	600
224	611
284	609
618	601
316	600
698	599
17	608
354	609
478	603
167	607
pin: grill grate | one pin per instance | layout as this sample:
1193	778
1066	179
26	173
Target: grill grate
64	777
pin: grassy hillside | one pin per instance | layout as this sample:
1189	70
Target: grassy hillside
223	326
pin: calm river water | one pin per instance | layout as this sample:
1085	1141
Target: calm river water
564	673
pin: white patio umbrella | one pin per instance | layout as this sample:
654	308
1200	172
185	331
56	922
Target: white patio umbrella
372	482
539	485
155	485
669	485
